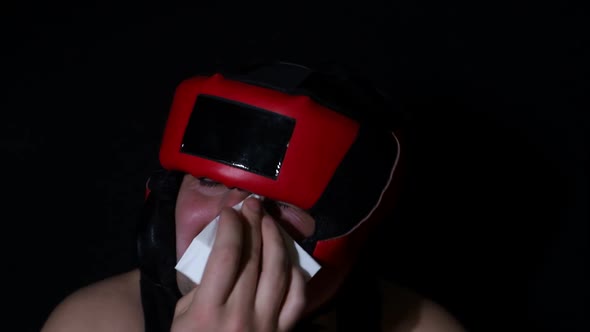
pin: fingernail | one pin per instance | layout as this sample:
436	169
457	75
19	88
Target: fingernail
253	204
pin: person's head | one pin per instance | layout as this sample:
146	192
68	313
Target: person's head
313	143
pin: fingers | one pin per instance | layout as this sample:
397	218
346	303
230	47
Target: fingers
224	261
274	276
249	277
183	304
244	291
294	302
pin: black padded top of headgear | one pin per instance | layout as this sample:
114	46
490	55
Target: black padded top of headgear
332	86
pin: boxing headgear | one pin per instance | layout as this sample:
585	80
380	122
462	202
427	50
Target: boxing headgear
290	134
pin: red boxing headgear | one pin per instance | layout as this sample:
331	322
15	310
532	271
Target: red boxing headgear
277	132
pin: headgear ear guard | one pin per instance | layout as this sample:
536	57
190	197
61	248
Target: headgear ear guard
290	134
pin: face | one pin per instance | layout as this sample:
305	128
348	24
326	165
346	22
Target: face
201	200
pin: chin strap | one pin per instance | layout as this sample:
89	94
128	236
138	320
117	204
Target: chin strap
157	258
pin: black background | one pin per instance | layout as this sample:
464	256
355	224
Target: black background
493	220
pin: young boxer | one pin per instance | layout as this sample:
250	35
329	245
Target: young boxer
316	150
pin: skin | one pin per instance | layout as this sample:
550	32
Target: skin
249	283
201	200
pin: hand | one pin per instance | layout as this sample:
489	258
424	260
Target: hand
249	283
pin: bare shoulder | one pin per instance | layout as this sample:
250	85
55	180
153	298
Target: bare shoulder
407	311
112	304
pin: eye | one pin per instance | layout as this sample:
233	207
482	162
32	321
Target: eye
209	187
275	208
283	205
206	182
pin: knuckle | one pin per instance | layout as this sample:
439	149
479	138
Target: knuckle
236	324
206	313
227	254
277	265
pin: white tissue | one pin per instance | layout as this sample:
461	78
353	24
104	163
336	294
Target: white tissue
193	261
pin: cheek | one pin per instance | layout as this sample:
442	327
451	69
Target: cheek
298	224
192	215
